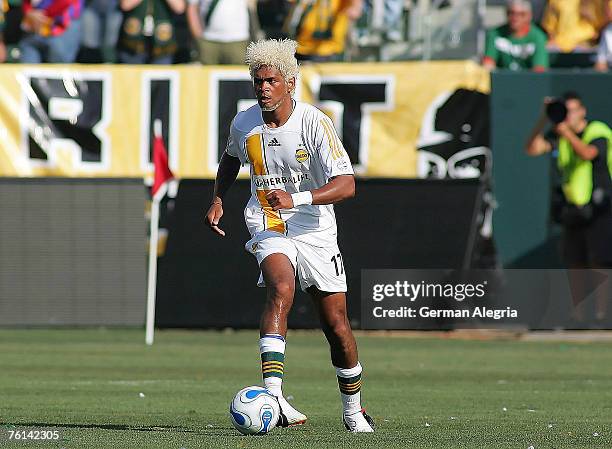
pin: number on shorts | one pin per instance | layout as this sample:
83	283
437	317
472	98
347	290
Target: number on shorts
338	264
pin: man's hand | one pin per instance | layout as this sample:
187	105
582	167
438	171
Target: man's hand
279	199
35	20
584	151
489	63
3	53
601	66
214	214
536	143
354	10
562	129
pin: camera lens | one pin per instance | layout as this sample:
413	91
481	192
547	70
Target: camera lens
556	111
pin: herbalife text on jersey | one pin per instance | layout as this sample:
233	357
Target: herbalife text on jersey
278	181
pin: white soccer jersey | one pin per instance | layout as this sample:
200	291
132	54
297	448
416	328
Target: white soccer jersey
301	155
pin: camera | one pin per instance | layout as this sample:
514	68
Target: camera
556	110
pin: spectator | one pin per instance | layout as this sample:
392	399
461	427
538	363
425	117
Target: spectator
271	15
518	44
3	8
321	27
573	24
604	51
394	9
52	31
220	28
584	206
101	25
147	33
387	21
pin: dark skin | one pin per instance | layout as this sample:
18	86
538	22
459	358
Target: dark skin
273	93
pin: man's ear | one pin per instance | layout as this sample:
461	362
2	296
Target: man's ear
291	83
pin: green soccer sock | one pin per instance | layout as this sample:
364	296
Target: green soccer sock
272	350
349	383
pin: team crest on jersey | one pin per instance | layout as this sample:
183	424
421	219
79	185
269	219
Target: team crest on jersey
342	164
254	246
301	155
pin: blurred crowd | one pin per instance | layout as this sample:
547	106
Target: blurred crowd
217	31
152	31
527	39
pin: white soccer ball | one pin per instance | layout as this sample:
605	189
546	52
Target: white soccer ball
254	410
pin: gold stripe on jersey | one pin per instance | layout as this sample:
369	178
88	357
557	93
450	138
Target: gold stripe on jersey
333	142
273	220
255	152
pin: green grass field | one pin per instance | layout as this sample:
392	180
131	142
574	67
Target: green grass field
422	392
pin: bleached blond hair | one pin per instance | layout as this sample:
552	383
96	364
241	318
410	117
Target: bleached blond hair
277	53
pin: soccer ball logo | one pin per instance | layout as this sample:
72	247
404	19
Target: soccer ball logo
254	410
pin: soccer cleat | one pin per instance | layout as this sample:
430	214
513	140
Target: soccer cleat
288	415
358	422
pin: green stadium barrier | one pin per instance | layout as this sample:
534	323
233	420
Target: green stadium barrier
523	231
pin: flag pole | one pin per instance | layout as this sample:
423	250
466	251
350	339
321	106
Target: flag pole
152	278
152	275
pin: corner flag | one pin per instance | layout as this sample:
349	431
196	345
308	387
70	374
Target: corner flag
161	181
163	174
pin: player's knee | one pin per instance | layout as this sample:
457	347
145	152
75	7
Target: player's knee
339	325
281	293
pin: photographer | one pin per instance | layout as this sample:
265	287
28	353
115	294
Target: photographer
583	204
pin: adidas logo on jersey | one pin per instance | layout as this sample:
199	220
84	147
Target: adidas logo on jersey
274	143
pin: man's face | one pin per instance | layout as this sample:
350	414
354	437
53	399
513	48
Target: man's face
576	113
271	88
518	18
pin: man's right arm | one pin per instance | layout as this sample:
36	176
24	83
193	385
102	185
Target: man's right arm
536	143
128	5
193	20
229	166
490	56
601	64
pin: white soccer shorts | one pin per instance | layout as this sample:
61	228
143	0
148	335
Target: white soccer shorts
322	267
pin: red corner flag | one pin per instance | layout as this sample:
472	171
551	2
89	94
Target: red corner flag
162	178
160	162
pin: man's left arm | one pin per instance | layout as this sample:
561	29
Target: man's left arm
336	166
586	151
337	189
194	22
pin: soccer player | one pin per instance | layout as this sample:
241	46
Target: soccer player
299	169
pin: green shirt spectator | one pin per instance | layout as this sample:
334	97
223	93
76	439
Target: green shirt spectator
518	44
517	53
